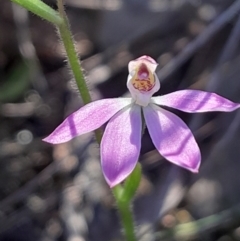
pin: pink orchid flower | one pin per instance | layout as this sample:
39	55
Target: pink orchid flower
121	141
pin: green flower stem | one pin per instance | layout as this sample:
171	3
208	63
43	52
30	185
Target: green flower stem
125	213
131	183
41	9
124	195
74	63
72	55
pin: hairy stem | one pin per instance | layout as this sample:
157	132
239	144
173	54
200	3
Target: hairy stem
125	212
72	55
73	60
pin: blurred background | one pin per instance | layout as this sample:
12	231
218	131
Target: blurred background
57	193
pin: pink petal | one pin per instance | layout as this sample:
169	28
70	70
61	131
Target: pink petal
172	138
86	119
121	143
196	101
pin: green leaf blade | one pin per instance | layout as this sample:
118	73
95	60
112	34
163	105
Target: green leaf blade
41	9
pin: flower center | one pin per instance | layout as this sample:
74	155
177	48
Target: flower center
143	79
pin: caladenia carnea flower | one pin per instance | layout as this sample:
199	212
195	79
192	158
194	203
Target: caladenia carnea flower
121	141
